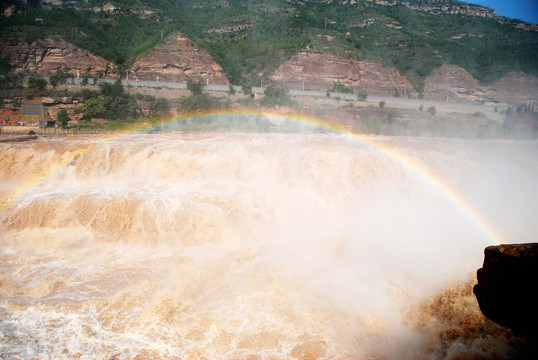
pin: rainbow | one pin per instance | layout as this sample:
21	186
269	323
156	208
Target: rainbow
426	175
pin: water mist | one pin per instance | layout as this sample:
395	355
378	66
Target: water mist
254	246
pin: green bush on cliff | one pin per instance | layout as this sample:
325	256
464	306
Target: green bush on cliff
4	66
63	118
111	102
274	95
341	88
198	101
36	83
60	76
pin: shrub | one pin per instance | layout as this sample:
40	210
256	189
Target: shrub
86	94
37	83
195	87
60	76
160	106
362	95
247	89
341	88
275	94
432	110
63	118
111	102
198	102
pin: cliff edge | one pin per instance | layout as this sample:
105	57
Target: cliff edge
507	286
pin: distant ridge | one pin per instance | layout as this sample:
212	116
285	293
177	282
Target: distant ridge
251	39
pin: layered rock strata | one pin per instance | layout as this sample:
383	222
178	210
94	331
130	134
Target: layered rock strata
177	60
43	57
454	83
313	70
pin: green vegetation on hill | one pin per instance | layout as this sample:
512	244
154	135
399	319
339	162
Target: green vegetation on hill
110	102
251	38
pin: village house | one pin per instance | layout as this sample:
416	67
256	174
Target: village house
32	113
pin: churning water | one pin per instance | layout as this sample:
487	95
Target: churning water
254	246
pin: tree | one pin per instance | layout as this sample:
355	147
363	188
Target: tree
85	77
60	76
198	102
112	102
275	94
37	83
63	118
160	106
247	89
341	88
363	95
195	87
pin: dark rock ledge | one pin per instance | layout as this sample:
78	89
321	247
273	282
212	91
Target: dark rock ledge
507	288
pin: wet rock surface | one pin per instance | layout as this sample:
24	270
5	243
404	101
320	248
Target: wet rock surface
506	290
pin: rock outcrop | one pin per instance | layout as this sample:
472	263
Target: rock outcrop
43	57
454	82
458	84
514	88
177	60
319	71
506	289
438	7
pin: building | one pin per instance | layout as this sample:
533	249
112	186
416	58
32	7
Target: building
33	112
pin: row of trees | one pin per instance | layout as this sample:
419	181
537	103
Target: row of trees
112	102
274	95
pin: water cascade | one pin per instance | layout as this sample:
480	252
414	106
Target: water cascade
254	246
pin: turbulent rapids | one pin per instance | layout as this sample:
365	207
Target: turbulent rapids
254	246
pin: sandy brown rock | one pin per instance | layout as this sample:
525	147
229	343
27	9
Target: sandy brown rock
43	57
178	60
459	85
319	71
515	87
452	81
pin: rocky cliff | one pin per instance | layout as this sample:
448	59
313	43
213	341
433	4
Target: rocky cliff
450	7
320	71
177	60
506	289
456	84
43	57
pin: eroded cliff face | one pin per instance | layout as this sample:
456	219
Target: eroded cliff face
457	84
515	87
177	60
452	82
43	57
320	71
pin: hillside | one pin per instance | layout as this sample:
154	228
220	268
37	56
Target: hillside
251	39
